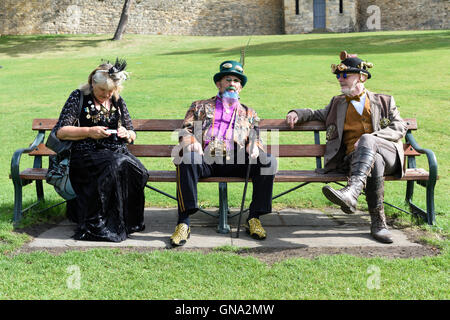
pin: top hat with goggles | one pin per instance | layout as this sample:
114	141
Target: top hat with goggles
350	63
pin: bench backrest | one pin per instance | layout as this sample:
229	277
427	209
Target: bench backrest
170	125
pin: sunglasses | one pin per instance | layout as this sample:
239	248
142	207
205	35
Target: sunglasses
344	74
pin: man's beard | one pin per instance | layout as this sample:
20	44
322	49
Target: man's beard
230	98
348	91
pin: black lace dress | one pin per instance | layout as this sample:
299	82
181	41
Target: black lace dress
108	180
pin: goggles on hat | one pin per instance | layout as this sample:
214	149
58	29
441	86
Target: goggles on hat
344	74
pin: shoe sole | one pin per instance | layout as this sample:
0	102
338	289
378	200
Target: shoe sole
382	239
333	197
182	242
254	235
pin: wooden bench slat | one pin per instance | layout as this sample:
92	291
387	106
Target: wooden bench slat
280	124
282	176
41	150
292	176
151	150
172	125
33	174
286	150
157	125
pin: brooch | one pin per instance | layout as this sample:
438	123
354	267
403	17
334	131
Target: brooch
331	130
384	122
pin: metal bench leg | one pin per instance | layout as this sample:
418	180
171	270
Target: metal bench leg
430	203
429	185
429	215
409	191
17	202
39	187
15	176
39	190
223	226
410	184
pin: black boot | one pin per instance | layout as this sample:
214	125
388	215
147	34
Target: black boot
347	198
375	198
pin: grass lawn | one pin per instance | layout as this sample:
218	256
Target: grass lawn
168	73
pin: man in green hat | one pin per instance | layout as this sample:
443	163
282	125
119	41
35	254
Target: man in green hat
215	143
364	139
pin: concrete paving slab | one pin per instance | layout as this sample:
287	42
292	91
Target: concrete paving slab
303	237
287	228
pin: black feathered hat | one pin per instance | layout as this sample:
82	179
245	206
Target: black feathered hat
117	71
350	63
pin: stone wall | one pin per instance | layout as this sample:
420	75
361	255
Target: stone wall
335	20
171	17
298	23
341	22
368	15
217	17
404	15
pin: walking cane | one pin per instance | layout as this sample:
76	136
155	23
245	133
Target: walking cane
252	143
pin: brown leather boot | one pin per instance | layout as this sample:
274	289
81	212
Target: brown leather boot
378	226
375	198
347	198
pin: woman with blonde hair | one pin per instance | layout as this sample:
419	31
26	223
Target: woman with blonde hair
108	180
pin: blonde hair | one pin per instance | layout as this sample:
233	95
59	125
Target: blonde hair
101	75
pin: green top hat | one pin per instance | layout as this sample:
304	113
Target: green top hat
231	67
351	64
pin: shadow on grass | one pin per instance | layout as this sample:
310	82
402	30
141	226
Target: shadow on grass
363	43
14	46
49	211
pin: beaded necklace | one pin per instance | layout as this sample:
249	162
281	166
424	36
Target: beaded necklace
95	113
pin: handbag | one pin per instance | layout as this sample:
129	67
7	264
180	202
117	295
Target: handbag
59	164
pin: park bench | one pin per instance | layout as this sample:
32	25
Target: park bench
315	151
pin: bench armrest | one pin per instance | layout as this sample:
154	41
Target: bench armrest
432	162
15	160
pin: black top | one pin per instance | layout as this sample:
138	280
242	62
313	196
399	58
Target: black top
90	117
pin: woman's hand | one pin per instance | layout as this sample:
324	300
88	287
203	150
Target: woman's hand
123	133
98	132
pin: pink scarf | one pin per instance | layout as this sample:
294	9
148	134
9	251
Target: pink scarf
224	115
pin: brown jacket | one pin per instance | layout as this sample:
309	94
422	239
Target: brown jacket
386	122
202	111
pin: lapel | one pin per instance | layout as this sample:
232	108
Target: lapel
209	107
240	125
340	116
374	110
